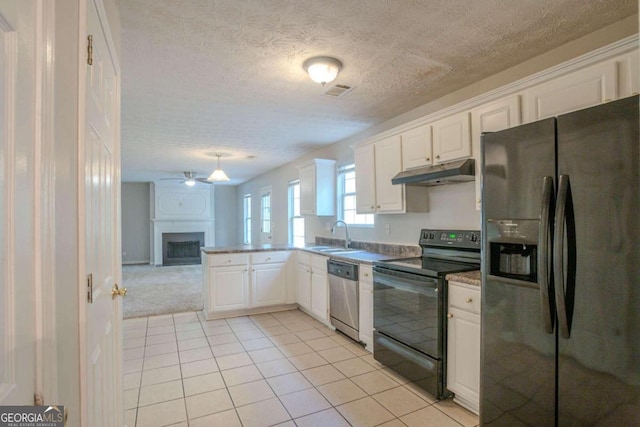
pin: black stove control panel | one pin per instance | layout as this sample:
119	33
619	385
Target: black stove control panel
450	238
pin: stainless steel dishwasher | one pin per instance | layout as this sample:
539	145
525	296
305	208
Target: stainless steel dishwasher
343	297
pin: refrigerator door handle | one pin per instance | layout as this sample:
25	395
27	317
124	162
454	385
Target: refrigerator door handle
564	286
546	233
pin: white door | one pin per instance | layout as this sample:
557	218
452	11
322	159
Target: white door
266	223
17	327
102	374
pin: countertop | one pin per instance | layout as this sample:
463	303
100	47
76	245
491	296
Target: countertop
359	256
468	277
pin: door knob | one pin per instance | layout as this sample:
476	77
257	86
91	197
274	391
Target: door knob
468	300
116	291
449	315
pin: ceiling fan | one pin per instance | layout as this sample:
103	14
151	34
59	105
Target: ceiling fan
189	179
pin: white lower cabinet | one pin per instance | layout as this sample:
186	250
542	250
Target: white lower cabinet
268	278
463	344
227	285
365	313
313	285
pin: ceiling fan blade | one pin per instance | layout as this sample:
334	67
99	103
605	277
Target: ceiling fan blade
171	179
203	180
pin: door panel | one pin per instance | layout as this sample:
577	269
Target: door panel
598	150
103	313
517	384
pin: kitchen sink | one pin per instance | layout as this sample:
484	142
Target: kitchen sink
340	250
333	250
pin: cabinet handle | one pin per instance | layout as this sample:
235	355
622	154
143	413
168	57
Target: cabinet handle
228	260
253	269
449	315
378	206
438	156
468	300
428	159
373	207
366	274
269	258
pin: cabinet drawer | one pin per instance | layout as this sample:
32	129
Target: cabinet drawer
366	274
304	258
228	259
269	257
319	263
464	298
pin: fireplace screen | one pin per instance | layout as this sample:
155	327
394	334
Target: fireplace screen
181	248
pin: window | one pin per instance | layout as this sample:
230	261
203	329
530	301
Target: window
266	212
347	198
296	221
247	219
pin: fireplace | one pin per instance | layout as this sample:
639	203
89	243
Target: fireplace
181	248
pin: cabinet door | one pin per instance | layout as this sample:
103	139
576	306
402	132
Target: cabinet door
416	147
452	138
304	286
308	190
366	306
388	161
230	288
492	117
319	295
269	283
575	91
463	346
365	179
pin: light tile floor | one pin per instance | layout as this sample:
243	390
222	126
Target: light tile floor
283	368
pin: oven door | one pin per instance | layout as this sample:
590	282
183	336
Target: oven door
409	308
409	332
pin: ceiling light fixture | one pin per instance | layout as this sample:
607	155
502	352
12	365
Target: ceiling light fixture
190	178
322	69
218	174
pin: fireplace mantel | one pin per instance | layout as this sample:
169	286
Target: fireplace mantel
177	208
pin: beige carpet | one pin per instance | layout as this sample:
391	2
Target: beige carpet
155	290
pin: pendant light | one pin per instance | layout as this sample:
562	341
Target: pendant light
218	174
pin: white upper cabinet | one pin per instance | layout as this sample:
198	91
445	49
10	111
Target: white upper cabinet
581	89
318	188
491	117
365	179
416	147
388	161
452	138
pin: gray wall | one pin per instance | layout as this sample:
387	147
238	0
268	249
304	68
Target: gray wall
226	215
136	222
451	206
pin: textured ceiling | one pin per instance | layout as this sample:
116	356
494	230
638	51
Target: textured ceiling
201	77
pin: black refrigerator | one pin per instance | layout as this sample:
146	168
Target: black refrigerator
561	271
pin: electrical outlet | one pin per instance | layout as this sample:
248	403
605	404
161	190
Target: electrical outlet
387	228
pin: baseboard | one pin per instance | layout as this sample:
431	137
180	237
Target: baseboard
147	262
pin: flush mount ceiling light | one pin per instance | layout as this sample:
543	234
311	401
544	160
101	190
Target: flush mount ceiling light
322	69
218	174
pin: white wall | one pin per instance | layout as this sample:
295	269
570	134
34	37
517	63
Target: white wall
450	206
136	221
226	215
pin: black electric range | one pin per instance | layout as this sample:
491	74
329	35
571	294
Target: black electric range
410	303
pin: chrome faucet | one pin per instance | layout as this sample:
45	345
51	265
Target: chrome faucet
347	240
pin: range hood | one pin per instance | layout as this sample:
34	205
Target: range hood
448	173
